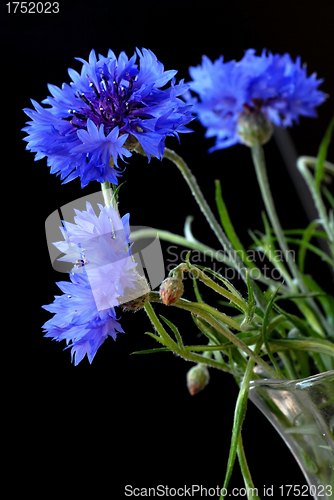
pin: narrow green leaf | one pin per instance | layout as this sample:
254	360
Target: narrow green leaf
229	229
208	330
188	259
322	154
264	330
239	415
306	238
303	344
316	234
251	298
246	472
151	351
268	230
226	303
155	337
174	330
116	189
313	249
295	296
196	289
251	302
326	300
226	282
301	325
303	363
164	338
329	197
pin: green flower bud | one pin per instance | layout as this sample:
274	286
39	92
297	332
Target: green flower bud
254	127
197	378
171	289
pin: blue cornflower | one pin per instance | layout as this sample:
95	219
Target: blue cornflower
270	84
77	319
107	109
102	278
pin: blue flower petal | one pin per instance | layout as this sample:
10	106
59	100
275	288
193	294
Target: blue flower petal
87	122
270	82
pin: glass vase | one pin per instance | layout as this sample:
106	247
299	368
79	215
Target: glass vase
302	411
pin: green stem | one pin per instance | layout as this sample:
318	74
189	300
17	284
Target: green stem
288	365
224	318
262	177
196	245
214	224
239	414
250	488
197	358
232	297
261	172
108	196
180	240
198	195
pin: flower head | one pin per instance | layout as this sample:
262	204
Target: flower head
103	276
107	108
77	319
100	248
270	84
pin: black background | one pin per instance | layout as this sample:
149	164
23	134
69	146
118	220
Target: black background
129	419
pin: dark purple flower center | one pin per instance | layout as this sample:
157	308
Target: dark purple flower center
112	105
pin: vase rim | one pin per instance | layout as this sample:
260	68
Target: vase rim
301	383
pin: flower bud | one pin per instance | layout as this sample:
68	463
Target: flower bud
254	127
171	289
197	378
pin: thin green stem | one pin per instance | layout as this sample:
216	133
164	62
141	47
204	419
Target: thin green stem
205	360
198	195
200	306
312	162
250	488
106	191
180	240
261	172
289	367
108	195
239	414
197	273
262	177
233	257
201	247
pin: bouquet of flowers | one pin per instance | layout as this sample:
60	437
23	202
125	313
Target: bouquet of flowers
118	107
